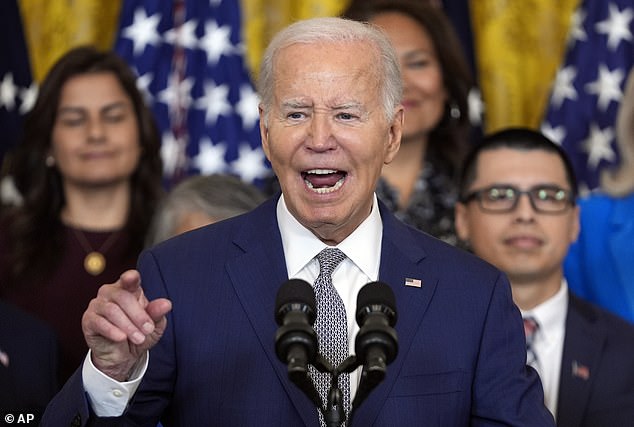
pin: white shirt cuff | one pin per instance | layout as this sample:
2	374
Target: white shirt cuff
109	397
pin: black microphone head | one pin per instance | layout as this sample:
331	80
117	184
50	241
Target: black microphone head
376	296
295	292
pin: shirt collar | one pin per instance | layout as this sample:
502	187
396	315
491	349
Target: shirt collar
362	247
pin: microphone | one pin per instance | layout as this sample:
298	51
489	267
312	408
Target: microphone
296	340
376	343
295	312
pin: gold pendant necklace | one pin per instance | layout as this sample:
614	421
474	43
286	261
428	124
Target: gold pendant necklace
94	261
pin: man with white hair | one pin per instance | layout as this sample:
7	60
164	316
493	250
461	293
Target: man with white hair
330	118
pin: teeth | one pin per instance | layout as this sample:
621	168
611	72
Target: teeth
325	190
321	171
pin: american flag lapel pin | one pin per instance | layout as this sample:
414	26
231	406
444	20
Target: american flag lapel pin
415	283
580	371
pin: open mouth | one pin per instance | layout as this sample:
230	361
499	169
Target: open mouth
324	181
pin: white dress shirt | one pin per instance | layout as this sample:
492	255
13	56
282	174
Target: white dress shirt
363	252
362	248
548	343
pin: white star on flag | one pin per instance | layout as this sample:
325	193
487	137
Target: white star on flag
185	36
170	154
178	93
247	107
216	42
211	158
143	84
577	32
143	31
607	86
214	102
555	134
476	107
250	163
8	92
598	145
563	88
616	26
28	96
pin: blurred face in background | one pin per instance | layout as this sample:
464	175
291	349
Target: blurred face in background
529	246
95	140
424	94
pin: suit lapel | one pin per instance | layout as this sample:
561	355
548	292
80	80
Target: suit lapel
401	255
256	276
583	346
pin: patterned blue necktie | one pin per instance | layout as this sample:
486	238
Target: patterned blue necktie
331	326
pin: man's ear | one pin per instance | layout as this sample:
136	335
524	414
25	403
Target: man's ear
575	225
461	223
264	132
395	134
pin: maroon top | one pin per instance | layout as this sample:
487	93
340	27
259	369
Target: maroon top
61	298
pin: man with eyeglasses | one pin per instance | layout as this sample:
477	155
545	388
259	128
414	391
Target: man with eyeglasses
517	211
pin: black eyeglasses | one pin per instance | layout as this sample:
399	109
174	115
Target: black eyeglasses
504	198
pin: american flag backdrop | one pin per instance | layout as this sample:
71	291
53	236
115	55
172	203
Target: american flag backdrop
189	57
17	91
589	86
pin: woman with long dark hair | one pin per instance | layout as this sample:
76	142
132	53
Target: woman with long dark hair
89	174
420	185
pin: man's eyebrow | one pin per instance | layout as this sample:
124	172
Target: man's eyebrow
295	103
348	106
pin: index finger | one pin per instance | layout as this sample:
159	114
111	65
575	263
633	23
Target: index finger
130	281
125	306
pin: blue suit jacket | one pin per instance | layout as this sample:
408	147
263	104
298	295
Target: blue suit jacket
596	387
29	381
600	265
461	358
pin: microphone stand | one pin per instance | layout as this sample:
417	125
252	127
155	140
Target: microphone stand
370	378
333	411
